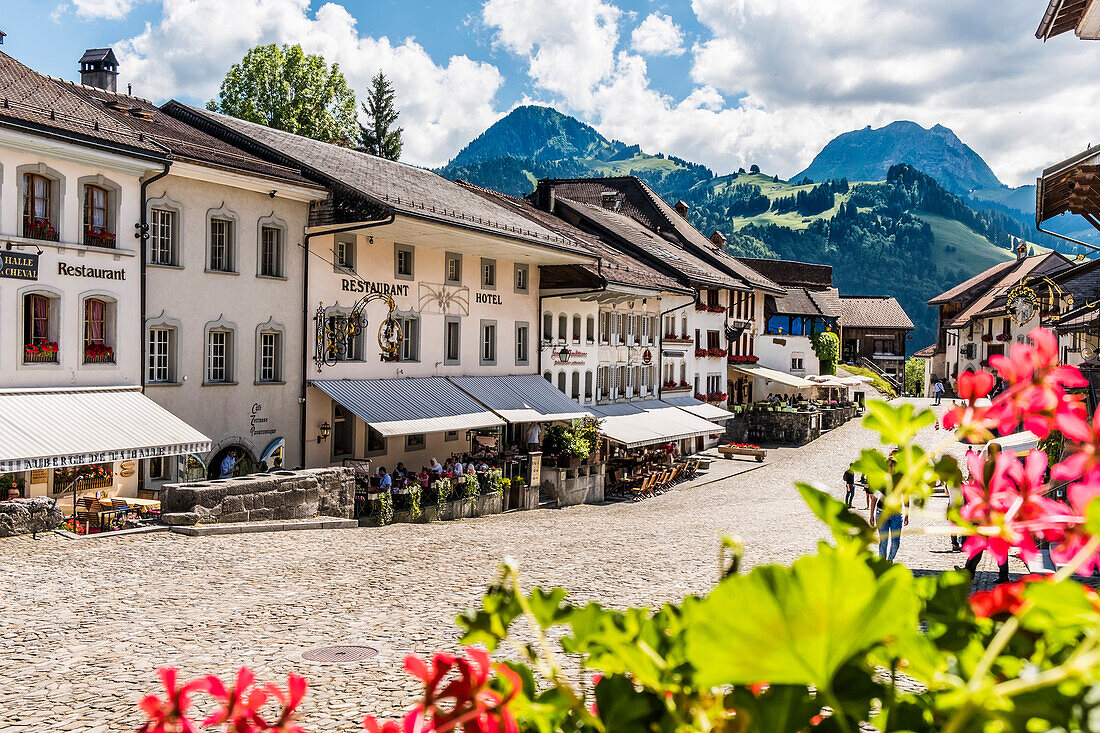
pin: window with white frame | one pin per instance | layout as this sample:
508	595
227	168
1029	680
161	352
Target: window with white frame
219	356
523	337
576	329
588	385
350	346
797	364
575	392
605	327
646	330
410	338
522	278
452	340
343	252
271	251
162	237
601	382
270	350
616	328
161	356
488	343
714	383
631	329
221	245
488	274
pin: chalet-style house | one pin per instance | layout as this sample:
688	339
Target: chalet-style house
875	330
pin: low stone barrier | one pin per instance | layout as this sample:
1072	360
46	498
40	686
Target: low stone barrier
29	516
315	492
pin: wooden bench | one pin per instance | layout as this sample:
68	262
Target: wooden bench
730	451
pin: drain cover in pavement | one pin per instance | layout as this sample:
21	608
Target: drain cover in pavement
340	654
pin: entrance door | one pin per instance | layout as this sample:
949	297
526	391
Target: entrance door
245	465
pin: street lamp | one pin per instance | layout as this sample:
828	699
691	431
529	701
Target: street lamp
325	430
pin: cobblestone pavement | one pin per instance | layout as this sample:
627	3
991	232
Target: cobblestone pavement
86	623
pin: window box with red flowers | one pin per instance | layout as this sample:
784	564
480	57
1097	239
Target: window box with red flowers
700	353
717	352
716	309
701	307
743	359
1004	338
99	237
729	450
94	476
43	352
700	396
676	387
38	228
987	337
99	354
717	397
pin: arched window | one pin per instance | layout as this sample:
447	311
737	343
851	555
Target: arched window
590	330
576	329
563	327
588	385
561	382
547	327
97	230
576	392
41	207
40	328
548	377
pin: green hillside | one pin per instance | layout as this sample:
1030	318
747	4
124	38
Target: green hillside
959	246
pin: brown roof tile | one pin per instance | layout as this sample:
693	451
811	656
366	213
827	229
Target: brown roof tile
974	283
873	312
48	105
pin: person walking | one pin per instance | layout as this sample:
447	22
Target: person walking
937	391
849	487
889	531
534	437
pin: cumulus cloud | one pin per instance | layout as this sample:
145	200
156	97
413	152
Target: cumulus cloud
657	35
188	51
569	45
103	9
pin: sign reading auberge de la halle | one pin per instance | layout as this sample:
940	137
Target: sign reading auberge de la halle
19	265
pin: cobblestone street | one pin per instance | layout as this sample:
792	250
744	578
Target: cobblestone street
86	623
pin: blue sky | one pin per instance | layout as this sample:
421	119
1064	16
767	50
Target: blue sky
722	82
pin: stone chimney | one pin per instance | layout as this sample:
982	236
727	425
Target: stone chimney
99	68
682	208
1021	250
718	239
2	34
609	200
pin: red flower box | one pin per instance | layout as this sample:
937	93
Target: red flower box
717	397
700	396
1004	337
700	353
743	359
716	352
987	337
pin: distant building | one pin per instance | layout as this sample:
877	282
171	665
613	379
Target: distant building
875	329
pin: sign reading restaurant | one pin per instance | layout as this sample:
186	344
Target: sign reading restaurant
18	265
352	285
101	273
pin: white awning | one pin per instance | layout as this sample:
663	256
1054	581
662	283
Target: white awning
698	408
772	375
409	406
520	397
75	426
646	423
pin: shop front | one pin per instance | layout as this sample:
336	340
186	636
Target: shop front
78	442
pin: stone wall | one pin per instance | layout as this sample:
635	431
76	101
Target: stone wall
571	486
29	516
316	492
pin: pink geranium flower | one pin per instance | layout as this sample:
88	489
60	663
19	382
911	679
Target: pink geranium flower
1074	538
170	714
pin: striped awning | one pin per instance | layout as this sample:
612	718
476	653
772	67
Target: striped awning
520	398
410	405
699	408
636	424
75	426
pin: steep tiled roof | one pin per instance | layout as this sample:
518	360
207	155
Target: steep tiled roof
32	100
615	265
185	142
961	290
639	202
789	272
926	353
406	189
988	303
797	300
659	251
873	312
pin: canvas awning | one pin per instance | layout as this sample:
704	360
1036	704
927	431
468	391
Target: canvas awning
637	424
520	397
698	408
410	405
772	375
76	426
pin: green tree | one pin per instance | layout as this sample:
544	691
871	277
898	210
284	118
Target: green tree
289	90
379	136
914	375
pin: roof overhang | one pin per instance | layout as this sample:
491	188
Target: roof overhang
1061	16
248	181
1072	186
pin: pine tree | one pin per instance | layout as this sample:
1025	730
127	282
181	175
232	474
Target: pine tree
379	136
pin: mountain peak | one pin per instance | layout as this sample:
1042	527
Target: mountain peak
867	154
538	133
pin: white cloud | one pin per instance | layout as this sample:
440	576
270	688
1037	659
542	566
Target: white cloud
103	9
188	51
569	45
658	35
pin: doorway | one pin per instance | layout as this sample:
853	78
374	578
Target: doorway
246	464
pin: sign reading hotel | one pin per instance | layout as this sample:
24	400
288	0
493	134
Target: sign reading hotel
100	273
489	298
18	265
352	285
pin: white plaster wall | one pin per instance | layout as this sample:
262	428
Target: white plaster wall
194	297
71	163
775	352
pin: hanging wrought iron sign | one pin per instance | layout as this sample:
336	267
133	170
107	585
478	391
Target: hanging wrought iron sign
1028	298
338	333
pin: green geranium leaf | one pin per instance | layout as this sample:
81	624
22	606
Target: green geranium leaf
1059	609
547	606
489	624
624	710
847	526
1092	517
875	470
779	709
797	625
897	425
948	471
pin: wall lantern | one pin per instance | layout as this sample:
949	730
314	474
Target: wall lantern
563	355
325	429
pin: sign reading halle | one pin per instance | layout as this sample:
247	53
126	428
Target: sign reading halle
19	265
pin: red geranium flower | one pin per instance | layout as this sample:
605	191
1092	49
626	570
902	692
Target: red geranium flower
240	706
1005	598
1080	495
290	699
170	714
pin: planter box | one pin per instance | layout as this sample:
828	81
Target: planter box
489	504
730	451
